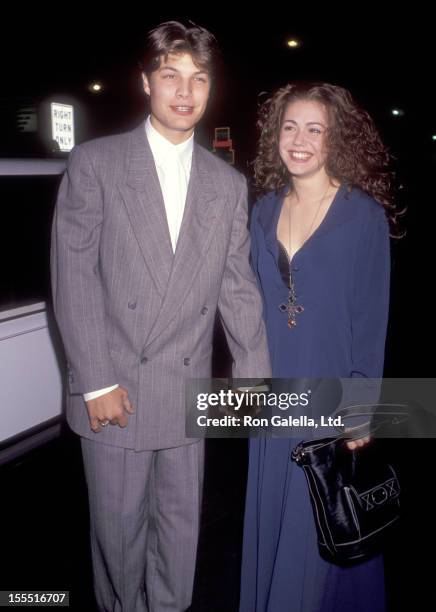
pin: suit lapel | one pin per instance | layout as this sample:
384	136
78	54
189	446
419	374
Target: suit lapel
143	199
202	209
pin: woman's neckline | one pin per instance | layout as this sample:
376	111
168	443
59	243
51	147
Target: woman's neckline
314	233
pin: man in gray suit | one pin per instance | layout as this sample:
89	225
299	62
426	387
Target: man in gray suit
149	240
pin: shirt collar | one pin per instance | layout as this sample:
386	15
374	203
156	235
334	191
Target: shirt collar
160	146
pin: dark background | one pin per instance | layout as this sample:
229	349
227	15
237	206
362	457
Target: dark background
387	61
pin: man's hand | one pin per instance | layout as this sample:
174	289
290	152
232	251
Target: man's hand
110	407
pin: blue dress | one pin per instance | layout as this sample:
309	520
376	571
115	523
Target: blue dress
341	277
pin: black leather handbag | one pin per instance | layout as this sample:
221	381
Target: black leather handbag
355	494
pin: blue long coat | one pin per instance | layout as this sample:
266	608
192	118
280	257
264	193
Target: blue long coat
341	277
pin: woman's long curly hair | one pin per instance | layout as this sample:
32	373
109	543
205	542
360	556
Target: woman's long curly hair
356	155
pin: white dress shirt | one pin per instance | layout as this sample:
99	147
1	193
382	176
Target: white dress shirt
173	165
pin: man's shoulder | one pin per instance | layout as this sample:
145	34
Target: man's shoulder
218	166
114	143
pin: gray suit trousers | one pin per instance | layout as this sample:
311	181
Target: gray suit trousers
145	518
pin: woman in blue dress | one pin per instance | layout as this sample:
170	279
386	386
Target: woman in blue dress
320	251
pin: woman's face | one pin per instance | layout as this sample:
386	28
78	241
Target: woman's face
302	141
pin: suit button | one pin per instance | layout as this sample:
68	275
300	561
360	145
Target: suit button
132	305
71	377
295	269
144	360
204	310
186	361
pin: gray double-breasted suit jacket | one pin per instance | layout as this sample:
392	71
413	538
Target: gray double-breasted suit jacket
132	312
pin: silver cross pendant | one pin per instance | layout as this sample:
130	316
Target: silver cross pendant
291	307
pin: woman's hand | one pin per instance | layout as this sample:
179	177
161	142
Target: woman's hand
353	444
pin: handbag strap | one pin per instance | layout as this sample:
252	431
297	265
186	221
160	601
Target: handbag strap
394	414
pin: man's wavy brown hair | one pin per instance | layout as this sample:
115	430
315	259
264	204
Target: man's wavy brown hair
356	155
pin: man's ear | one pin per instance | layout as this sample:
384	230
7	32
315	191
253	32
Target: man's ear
146	84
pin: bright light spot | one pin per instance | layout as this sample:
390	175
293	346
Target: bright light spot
433	137
96	87
397	112
293	43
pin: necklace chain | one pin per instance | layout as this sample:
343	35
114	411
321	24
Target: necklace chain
313	220
291	308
